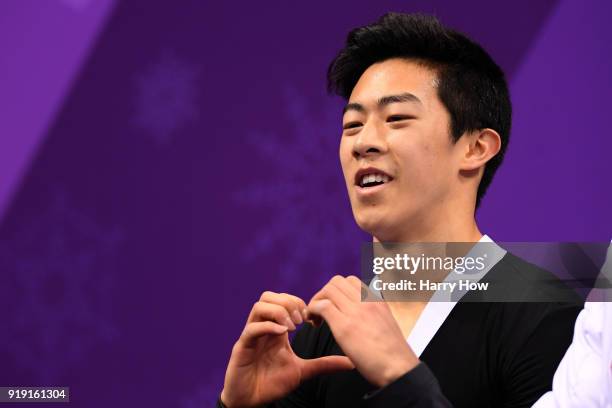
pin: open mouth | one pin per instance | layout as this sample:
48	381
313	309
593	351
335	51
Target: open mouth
369	178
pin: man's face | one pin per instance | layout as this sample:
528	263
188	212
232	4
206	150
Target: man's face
397	156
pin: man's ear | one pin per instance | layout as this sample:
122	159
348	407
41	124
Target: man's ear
480	147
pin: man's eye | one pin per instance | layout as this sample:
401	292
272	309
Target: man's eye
351	125
396	118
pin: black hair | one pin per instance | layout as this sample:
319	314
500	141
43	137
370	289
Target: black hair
471	85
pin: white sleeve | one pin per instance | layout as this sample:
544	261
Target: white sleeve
584	376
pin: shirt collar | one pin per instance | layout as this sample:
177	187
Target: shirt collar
439	307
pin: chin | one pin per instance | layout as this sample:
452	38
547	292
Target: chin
386	226
373	222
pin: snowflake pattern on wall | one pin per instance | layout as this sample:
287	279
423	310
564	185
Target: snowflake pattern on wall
57	267
310	224
166	97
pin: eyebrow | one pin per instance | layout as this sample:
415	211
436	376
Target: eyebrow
384	101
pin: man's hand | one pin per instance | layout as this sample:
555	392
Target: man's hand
366	331
263	367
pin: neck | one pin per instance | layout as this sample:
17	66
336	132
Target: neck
447	222
442	225
451	223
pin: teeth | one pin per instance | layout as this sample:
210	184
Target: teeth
371	178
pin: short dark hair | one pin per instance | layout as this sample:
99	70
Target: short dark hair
471	85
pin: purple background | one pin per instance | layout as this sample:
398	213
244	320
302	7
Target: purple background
162	163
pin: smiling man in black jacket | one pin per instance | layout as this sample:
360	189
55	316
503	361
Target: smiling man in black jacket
425	127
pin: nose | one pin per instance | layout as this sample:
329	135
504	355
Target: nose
369	142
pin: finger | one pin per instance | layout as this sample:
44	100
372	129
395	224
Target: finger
363	290
332	292
295	306
325	365
348	286
255	330
326	309
314	319
367	295
355	283
326	294
263	311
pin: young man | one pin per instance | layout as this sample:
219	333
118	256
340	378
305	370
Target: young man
425	128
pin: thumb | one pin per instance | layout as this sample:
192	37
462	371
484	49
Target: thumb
325	365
